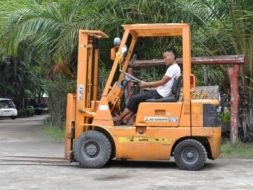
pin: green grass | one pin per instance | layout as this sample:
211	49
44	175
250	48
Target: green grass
53	132
237	150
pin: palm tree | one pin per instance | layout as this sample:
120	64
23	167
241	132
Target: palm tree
47	32
51	28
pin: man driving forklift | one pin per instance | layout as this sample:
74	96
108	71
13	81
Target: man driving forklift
160	88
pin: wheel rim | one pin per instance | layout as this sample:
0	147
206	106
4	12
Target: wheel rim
190	155
91	149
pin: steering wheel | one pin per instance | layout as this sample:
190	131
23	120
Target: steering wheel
130	76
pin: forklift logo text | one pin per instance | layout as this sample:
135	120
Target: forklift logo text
155	119
80	91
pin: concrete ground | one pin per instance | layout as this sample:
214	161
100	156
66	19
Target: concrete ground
21	137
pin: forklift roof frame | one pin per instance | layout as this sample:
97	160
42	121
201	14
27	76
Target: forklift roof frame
156	30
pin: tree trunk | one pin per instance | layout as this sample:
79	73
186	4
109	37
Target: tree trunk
233	73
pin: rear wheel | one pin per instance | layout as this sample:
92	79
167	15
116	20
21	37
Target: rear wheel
190	155
92	149
13	117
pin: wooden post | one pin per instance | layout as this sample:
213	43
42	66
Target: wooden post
233	73
212	60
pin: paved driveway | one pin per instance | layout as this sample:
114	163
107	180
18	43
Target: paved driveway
21	137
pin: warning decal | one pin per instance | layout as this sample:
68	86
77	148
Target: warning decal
155	119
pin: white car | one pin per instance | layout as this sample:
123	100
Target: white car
8	108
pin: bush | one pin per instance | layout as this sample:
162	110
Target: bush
225	117
26	112
47	120
58	88
21	113
30	111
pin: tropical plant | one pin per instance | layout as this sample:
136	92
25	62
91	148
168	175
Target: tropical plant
57	88
17	79
226	28
46	32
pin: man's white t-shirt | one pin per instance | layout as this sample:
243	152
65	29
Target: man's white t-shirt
173	71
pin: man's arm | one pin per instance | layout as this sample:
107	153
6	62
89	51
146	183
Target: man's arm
161	82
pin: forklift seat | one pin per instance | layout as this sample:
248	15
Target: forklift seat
175	92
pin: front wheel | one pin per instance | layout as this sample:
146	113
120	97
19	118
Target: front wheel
92	149
190	155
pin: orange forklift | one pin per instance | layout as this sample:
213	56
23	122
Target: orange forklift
184	128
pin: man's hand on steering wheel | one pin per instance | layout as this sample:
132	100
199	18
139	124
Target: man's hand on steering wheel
142	84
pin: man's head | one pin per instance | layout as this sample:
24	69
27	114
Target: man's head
169	56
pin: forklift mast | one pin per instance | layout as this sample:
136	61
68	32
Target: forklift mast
80	108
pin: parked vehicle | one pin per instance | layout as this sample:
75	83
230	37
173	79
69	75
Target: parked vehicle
37	109
44	107
8	108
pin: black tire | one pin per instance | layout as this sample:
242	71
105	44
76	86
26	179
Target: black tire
13	117
190	155
92	149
